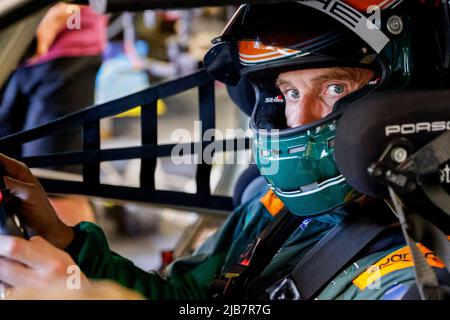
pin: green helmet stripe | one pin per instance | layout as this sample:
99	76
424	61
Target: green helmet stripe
320	187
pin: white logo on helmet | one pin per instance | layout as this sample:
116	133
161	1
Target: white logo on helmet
277	99
353	19
445	174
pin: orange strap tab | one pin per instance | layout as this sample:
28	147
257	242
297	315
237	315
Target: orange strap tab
396	260
272	203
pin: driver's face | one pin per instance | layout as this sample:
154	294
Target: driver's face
311	94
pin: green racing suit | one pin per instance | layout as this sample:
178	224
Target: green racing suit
191	277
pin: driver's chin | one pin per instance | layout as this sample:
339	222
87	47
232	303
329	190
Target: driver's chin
295	121
291	123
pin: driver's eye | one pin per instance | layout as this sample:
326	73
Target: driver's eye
292	94
335	90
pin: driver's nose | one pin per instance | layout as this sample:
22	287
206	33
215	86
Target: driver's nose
308	109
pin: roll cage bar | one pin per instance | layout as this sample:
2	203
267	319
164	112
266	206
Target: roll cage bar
90	157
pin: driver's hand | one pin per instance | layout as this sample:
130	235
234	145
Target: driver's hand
97	290
35	263
38	214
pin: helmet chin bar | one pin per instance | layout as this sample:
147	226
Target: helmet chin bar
301	170
310	188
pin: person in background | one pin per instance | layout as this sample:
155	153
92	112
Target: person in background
58	79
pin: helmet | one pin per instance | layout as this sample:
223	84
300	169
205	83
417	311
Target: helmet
261	41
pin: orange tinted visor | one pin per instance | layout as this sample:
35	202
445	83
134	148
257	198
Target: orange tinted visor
254	52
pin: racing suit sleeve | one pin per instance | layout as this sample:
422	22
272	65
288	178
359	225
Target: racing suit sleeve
188	278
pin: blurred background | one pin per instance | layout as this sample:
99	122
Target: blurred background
91	59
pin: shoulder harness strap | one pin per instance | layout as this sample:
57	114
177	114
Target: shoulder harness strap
231	284
330	255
